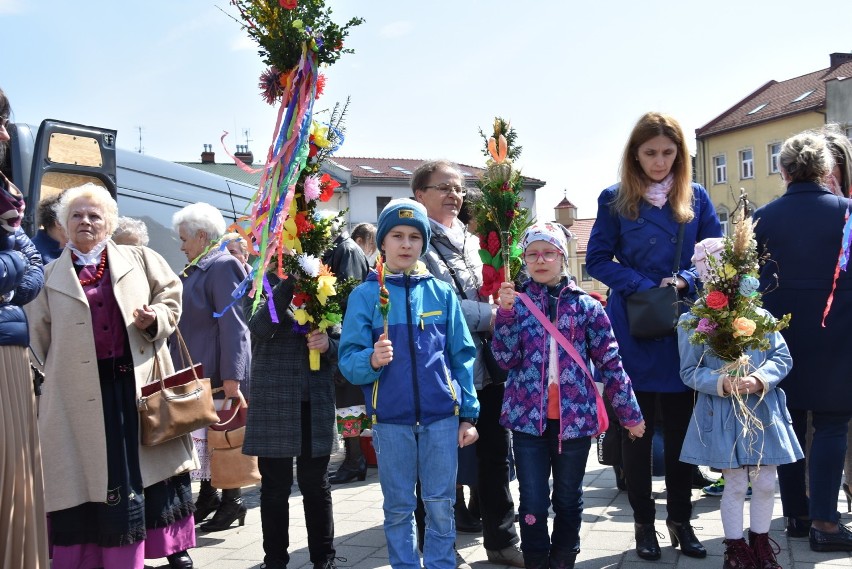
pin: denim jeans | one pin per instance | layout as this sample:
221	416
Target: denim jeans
824	463
406	453
535	458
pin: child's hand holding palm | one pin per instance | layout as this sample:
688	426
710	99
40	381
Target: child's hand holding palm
506	296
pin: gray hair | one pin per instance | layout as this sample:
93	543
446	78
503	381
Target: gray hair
841	151
98	195
130	231
805	157
200	217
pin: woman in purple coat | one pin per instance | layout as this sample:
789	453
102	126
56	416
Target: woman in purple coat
216	334
632	248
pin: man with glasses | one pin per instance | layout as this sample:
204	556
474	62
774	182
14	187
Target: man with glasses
453	257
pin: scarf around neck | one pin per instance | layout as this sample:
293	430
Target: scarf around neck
93	257
657	193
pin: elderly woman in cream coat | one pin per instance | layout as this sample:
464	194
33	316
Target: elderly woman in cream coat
103	316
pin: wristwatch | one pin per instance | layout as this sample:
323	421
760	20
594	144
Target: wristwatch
470	420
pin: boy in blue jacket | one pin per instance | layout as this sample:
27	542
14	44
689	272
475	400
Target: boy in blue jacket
418	385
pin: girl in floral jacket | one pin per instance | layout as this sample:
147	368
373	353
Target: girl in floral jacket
549	404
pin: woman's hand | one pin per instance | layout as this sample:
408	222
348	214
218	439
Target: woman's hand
232	388
507	295
143	317
637	430
679	282
382	352
743	385
467	434
318	341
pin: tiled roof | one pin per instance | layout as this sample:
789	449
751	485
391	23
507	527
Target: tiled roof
777	99
564	204
582	229
373	168
400	168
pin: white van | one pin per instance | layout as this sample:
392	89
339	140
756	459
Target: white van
63	155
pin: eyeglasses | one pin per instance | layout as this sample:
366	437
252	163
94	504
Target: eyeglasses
447	188
531	257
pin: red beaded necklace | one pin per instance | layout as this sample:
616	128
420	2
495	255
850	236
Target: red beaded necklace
98	274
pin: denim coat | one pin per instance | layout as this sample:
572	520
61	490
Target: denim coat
802	232
634	255
715	437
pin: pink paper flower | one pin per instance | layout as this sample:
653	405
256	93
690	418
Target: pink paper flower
312	188
529	519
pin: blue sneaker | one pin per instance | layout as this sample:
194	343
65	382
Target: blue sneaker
715	490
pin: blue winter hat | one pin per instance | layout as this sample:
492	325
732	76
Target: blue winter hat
404	211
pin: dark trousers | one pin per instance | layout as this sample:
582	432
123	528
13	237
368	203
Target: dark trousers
276	481
492	453
637	457
824	464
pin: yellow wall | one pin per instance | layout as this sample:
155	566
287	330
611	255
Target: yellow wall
764	186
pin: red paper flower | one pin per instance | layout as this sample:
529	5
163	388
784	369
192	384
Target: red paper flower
717	300
483	242
327	185
312	148
511	213
491	279
288	4
302	223
493	243
300	298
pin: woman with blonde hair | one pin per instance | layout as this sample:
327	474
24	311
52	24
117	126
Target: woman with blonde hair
632	248
98	325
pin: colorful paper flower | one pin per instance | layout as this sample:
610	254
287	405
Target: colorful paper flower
270	86
717	300
327	185
309	264
325	288
705	326
312	188
749	285
300	298
302	317
288	4
743	327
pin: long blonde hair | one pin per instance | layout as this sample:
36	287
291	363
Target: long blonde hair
633	179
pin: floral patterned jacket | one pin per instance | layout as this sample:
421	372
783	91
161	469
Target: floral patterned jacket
521	346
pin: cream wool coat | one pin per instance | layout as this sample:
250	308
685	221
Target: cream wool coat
70	410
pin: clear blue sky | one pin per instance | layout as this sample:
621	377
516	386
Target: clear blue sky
572	76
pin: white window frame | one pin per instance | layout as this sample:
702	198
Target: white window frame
746	164
724	219
720	170
774	157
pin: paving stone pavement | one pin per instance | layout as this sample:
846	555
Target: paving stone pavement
607	532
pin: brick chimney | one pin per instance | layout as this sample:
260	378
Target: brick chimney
208	156
840	59
244	154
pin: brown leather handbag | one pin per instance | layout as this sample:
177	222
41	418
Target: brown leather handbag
173	406
229	467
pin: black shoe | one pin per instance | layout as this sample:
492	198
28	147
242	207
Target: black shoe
344	475
562	560
205	505
180	560
825	541
647	546
229	511
465	522
682	533
798	527
273	565
699	481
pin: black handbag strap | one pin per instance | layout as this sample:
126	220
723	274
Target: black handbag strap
678	249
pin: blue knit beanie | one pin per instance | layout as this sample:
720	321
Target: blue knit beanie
404	211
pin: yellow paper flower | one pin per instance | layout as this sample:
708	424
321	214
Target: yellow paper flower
325	288
302	316
290	232
743	327
728	271
320	134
